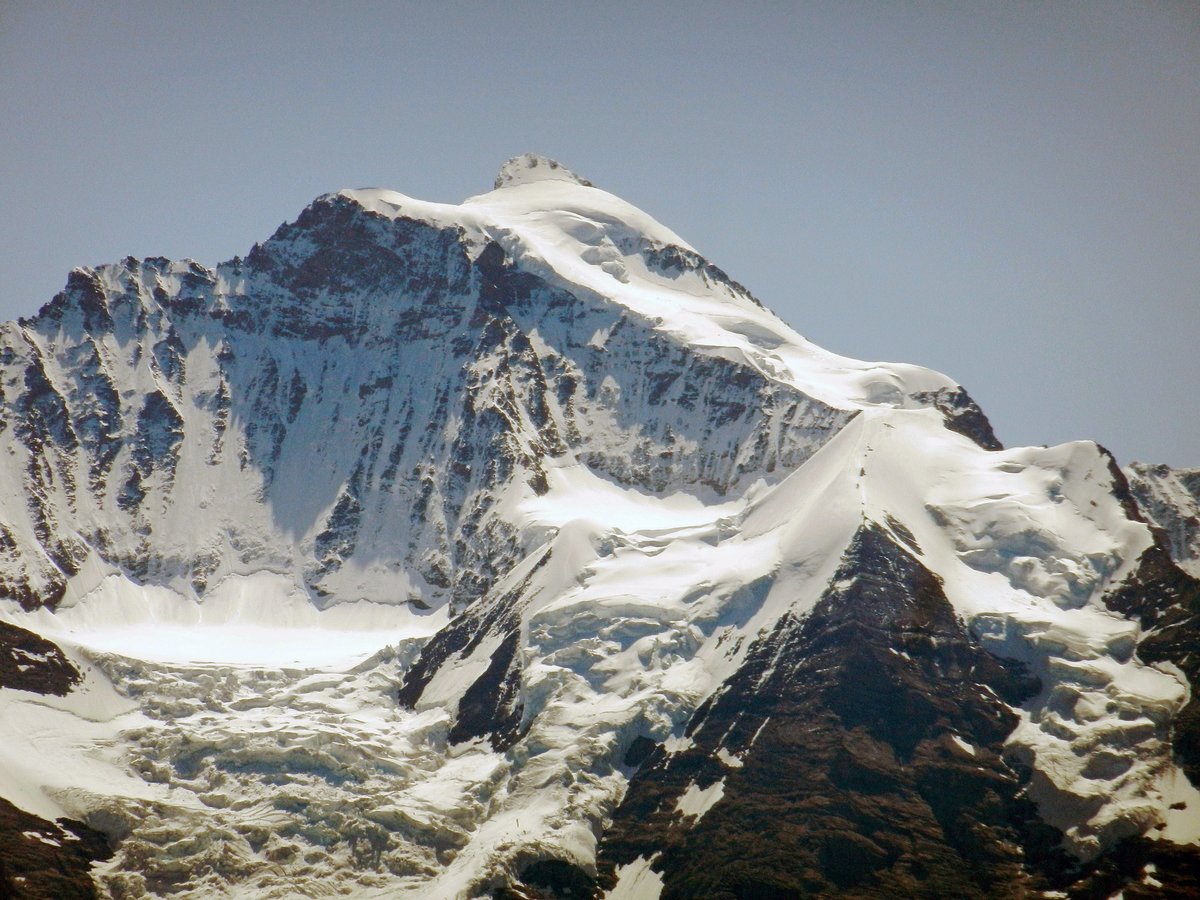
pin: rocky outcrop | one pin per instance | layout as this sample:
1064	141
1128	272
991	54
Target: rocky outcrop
29	662
43	860
1170	499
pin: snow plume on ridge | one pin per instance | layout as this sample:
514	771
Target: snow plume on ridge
600	549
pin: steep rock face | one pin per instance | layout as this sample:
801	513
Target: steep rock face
451	377
1170	500
41	860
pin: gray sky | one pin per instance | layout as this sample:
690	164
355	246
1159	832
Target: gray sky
1007	192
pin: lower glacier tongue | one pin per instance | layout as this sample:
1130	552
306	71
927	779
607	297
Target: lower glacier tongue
251	781
259	620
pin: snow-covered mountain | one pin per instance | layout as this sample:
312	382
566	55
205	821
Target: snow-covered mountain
513	549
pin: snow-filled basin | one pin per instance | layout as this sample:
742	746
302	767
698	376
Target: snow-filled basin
263	619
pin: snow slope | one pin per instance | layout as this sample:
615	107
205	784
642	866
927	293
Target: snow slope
582	487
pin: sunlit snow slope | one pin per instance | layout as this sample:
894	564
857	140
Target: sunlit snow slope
513	549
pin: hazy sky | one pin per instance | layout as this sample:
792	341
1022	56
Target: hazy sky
1006	192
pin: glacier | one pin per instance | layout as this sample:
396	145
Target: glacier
512	548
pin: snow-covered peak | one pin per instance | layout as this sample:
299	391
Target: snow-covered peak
635	541
534	198
532	167
554	225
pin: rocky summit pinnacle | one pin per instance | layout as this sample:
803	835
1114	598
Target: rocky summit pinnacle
512	549
531	167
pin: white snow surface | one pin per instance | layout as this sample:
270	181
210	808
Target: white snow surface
249	743
587	239
696	801
637	881
264	619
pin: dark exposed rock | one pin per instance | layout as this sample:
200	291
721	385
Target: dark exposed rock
670	259
96	412
29	662
549	879
1140	869
1166	601
871	739
490	707
336	542
42	860
85	296
962	416
43	412
639	751
169	355
351	249
1170	499
159	434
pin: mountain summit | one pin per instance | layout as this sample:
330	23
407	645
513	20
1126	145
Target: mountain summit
530	167
513	549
